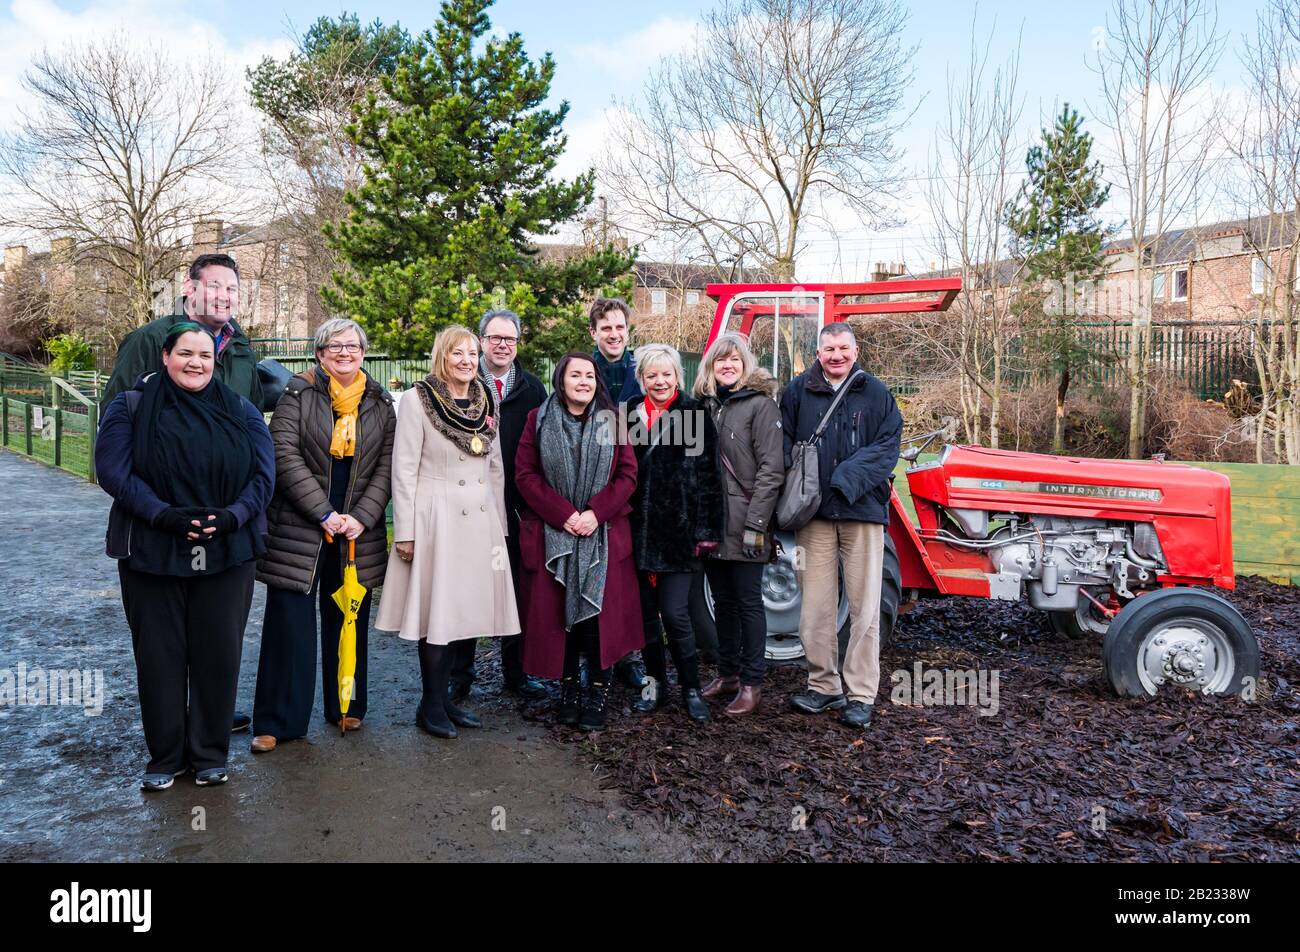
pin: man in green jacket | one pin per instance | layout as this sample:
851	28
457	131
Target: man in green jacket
211	298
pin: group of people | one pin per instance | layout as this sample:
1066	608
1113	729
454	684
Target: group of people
571	523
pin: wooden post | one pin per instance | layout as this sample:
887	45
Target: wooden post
92	429
4	414
27	425
58	436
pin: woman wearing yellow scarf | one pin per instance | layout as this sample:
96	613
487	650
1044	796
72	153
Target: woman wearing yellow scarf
333	432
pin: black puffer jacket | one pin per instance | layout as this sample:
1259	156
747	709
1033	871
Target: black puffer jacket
301	428
859	449
678	498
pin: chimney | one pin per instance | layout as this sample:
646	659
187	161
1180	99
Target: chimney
898	269
207	235
61	248
879	272
15	257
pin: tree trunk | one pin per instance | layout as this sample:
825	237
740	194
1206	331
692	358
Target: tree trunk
1058	432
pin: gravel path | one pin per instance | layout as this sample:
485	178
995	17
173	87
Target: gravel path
68	781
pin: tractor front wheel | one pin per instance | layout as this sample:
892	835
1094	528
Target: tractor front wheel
1180	638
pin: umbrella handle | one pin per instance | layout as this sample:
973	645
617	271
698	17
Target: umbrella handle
352	546
329	537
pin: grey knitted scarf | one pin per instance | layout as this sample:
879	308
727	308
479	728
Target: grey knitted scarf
576	459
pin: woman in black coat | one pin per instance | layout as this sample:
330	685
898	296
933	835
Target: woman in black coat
190	467
676	518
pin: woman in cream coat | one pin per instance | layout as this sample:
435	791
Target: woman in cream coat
448	574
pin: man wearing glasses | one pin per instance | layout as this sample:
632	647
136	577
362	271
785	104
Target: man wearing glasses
516	393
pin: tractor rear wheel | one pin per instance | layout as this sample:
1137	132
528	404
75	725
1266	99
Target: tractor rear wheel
782	600
891	594
1180	638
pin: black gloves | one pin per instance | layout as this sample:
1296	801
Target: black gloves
178	520
226	523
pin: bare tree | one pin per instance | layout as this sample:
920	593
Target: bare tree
972	180
782	113
122	151
306	103
1262	136
25	316
1155	59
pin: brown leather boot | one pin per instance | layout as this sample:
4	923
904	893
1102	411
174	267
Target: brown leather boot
720	687
745	702
350	724
262	743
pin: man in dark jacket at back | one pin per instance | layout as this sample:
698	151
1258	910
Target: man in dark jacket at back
211	293
610	322
855	456
516	393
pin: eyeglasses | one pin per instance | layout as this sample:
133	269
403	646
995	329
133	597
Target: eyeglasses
496	340
343	348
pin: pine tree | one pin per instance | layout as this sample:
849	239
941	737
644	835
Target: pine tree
1055	231
459	156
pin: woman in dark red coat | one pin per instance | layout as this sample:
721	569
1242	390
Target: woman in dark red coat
579	588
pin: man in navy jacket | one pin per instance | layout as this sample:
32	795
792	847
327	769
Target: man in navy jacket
855	456
610	320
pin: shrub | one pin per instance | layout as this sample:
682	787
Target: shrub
70	352
1179	425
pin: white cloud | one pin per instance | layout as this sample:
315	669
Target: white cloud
632	55
31	26
34	25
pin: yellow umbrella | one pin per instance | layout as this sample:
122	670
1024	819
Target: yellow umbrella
348	598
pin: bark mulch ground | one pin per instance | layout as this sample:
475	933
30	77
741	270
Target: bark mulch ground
1063	770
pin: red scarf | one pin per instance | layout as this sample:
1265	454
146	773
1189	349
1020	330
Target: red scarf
653	413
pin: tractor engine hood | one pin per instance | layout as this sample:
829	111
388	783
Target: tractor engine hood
978	478
1190	508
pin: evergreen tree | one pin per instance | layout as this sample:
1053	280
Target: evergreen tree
459	155
1055	231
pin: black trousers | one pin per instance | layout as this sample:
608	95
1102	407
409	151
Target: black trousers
669	601
286	669
512	646
187	634
740	617
584	638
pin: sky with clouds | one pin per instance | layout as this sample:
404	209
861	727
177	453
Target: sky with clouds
603	52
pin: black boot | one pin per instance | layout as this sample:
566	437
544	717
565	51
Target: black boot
435	666
653	696
570	702
593	707
631	673
696	707
688	674
457	715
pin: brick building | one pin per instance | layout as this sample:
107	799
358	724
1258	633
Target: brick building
1217	272
278	289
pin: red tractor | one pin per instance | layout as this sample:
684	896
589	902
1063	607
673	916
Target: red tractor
1123	551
